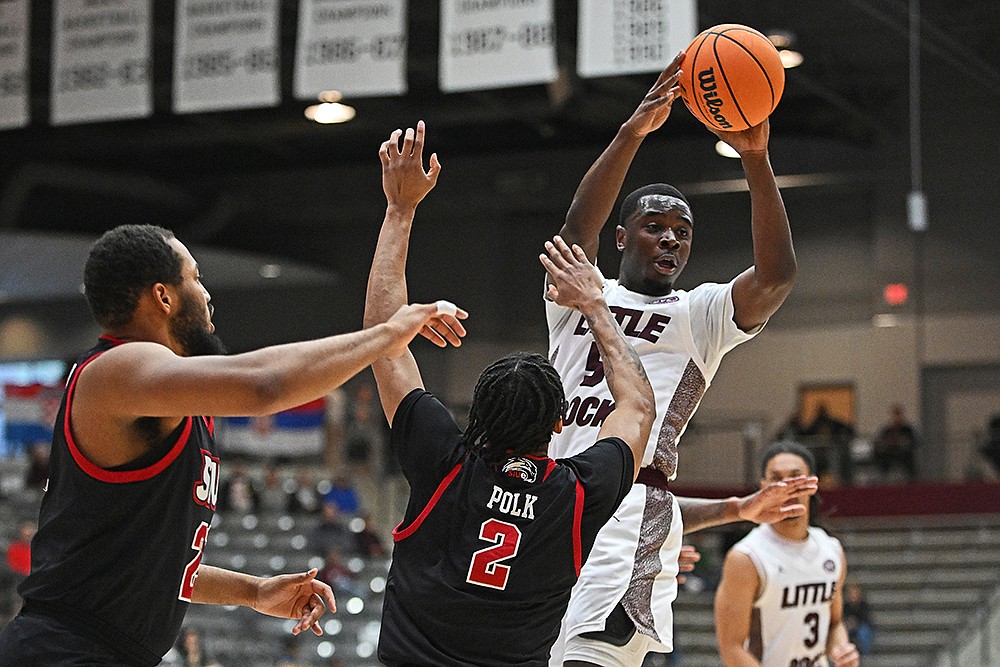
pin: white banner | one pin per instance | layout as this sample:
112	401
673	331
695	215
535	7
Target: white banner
355	46
101	60
13	63
226	55
496	43
625	36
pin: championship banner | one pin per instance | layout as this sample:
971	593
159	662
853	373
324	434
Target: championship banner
626	36
101	60
496	43
30	412
295	432
356	47
13	63
226	55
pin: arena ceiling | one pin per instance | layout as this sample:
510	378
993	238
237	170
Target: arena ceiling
844	117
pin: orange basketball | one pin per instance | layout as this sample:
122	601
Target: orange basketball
733	77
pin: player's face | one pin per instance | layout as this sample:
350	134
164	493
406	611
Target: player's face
784	466
192	325
655	244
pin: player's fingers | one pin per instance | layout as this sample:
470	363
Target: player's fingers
670	69
418	140
435	169
407	149
394	143
383	153
454	323
441	328
433	336
790	511
579	254
563	247
555	256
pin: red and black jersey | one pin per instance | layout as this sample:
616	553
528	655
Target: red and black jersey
117	549
486	555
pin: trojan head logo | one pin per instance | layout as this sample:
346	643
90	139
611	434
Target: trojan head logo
829	565
521	468
706	81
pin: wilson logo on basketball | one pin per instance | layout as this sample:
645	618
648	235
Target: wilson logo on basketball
706	81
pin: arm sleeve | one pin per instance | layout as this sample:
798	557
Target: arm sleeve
424	438
605	471
712	325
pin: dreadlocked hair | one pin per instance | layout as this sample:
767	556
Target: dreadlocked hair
516	404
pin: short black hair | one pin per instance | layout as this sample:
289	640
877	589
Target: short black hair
121	264
787	447
631	202
516	404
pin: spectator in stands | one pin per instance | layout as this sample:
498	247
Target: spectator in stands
991	447
828	435
272	497
363	432
19	551
367	541
331	533
303	498
340	578
237	493
189	651
895	446
38	465
342	494
857	618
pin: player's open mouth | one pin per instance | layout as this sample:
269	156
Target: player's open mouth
666	264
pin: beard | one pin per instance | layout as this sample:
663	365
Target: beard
190	329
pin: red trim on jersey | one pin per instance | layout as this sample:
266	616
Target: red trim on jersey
210	423
548	469
123	476
399	533
577	528
116	341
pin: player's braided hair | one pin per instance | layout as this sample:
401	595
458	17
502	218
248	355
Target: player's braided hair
631	202
122	263
516	404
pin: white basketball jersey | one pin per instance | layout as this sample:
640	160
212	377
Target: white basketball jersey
680	337
791	617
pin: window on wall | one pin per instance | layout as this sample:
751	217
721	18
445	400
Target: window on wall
29	397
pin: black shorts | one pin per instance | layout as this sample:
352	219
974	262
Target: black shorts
618	628
34	640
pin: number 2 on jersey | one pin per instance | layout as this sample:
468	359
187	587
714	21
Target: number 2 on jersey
486	568
191	571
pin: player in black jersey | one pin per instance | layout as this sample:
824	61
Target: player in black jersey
495	532
134	472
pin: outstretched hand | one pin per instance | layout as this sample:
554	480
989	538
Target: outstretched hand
296	596
438	322
745	142
776	501
845	655
574	281
404	180
686	561
655	106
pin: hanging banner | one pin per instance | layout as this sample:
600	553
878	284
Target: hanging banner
496	43
358	48
225	55
13	63
101	60
626	36
29	413
295	432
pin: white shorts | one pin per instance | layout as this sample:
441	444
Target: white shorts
634	561
602	653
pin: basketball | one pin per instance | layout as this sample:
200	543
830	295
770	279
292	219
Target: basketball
733	77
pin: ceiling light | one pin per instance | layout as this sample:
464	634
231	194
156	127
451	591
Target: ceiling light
780	38
790	58
725	150
885	320
270	270
331	96
330	112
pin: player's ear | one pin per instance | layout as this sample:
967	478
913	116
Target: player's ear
558	427
162	296
620	237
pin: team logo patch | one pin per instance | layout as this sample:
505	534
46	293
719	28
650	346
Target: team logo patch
666	299
521	468
829	565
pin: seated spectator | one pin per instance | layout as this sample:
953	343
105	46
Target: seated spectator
237	492
829	437
991	447
19	551
367	541
272	496
857	618
331	533
896	445
189	651
343	495
302	496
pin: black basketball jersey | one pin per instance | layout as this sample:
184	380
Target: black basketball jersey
486	555
117	549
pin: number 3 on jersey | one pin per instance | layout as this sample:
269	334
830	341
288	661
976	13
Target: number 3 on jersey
486	568
191	571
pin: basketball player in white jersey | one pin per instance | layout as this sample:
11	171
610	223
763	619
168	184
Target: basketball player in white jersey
780	602
621	605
